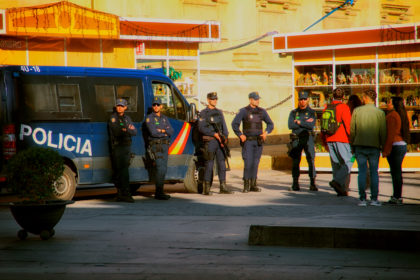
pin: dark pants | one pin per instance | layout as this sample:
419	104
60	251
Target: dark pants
251	154
161	163
214	151
121	161
395	160
308	147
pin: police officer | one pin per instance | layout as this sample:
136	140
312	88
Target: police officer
160	131
121	129
252	137
211	120
302	122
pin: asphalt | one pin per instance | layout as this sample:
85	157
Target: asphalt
193	236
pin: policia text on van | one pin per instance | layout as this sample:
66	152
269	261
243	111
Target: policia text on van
67	109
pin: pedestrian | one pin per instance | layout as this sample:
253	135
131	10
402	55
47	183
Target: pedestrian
160	131
337	141
367	137
354	102
302	122
398	135
121	129
214	132
252	138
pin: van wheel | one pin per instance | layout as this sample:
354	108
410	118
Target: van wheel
66	188
191	181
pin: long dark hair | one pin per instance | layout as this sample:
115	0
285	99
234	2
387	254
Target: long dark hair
354	102
399	107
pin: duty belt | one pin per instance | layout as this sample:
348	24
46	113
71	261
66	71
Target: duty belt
251	138
159	141
207	138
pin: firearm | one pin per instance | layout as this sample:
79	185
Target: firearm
223	144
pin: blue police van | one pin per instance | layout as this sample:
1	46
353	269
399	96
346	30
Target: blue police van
67	109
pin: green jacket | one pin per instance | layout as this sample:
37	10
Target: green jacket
368	127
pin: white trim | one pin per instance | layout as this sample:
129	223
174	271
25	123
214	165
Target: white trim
65	51
377	76
350	46
27	50
323	62
163	38
3	12
182	21
101	53
399	59
352	29
334	77
164	57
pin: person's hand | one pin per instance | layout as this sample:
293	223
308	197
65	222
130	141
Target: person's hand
310	120
243	138
264	135
297	122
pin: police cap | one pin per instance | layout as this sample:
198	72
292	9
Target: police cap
121	102
156	100
304	94
212	95
254	95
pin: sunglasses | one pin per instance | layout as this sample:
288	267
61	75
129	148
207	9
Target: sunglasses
155	104
303	99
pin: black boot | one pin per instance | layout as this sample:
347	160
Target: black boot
124	196
253	186
246	185
223	188
313	187
160	195
207	186
295	186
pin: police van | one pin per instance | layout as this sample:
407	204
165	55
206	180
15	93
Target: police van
67	109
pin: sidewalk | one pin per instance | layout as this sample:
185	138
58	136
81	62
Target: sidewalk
193	236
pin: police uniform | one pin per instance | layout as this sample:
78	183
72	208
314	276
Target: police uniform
120	140
159	146
209	119
303	139
252	128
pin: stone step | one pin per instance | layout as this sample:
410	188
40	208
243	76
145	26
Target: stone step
333	237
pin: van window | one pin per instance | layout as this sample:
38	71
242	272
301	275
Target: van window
173	105
50	100
106	96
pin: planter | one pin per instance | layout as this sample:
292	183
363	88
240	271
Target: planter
38	219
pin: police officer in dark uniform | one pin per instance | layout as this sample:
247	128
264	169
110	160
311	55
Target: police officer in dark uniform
252	138
160	131
211	120
121	129
302	122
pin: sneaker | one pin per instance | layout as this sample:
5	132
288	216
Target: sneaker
362	203
375	203
338	189
394	200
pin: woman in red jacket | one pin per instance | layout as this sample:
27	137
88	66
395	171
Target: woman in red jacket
398	133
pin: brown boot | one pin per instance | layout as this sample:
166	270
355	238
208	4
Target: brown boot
223	188
253	185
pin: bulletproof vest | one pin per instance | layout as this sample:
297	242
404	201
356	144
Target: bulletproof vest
214	116
252	124
125	138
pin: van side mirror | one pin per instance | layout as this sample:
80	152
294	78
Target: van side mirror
192	113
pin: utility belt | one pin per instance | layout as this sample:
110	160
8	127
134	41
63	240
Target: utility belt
159	142
208	138
257	138
116	143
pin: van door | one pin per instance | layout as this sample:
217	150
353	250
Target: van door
181	148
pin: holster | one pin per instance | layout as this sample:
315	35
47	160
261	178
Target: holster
206	154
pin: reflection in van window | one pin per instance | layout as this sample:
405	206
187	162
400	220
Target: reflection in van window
52	97
106	95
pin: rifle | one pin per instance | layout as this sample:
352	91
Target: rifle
223	145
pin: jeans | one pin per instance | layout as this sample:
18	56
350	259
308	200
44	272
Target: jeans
395	160
340	156
363	156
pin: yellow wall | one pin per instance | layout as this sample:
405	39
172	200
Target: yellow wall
233	74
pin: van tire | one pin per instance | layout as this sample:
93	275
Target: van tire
67	188
191	183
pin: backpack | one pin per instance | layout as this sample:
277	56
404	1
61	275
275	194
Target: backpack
329	124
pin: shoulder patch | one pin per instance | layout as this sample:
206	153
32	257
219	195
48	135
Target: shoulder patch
113	119
147	120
